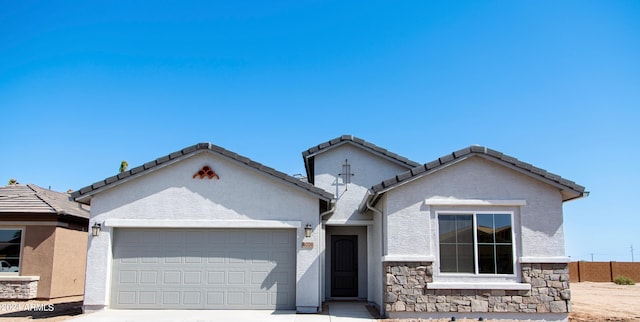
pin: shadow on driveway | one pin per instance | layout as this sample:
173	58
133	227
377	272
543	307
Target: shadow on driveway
42	310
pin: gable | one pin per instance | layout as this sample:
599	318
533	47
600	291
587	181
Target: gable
85	194
366	167
475	178
309	155
569	189
178	191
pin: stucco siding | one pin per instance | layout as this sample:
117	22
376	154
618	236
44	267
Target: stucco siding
367	168
171	194
69	262
374	244
37	257
540	234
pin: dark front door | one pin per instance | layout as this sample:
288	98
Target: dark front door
344	265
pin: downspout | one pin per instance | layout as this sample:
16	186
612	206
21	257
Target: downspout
375	210
378	212
330	211
322	281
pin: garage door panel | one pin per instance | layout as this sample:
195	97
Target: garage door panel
232	269
148	277
148	298
216	277
150	237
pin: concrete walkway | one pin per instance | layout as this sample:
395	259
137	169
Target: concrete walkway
349	311
338	312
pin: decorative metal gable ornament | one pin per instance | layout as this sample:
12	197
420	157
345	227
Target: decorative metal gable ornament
206	172
346	174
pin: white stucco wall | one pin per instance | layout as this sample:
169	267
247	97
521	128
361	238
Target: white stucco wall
410	224
368	168
170	197
374	234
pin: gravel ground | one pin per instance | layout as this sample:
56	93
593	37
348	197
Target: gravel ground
590	302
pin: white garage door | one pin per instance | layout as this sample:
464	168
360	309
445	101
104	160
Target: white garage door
203	269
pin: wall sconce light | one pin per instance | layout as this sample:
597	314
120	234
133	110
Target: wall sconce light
308	230
95	229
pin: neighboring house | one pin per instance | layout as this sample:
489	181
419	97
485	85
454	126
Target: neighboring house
475	233
43	243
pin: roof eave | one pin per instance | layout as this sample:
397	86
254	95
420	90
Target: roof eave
570	191
124	177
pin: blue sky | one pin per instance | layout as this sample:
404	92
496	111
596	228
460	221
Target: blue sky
85	85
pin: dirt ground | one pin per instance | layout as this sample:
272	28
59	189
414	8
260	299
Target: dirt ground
590	302
604	302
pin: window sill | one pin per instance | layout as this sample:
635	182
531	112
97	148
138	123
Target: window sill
15	278
408	258
479	286
545	260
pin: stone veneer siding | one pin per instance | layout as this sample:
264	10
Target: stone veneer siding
19	290
405	291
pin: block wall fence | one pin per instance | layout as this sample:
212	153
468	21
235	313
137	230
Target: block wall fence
603	271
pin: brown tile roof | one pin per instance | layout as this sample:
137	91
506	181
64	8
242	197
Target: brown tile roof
84	194
309	154
33	199
570	189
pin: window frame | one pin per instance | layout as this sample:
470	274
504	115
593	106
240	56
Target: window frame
474	213
22	237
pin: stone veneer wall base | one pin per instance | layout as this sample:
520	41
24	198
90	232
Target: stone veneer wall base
405	288
18	289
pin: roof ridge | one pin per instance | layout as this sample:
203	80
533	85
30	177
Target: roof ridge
41	196
363	143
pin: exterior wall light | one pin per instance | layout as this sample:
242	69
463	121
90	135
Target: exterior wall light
95	229
308	230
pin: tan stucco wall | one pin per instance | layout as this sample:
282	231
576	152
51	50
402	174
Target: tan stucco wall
58	255
69	262
37	256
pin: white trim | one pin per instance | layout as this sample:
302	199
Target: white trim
408	258
346	222
474	202
170	223
478	286
476	273
9	278
545	260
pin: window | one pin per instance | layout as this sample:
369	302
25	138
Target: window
10	250
478	243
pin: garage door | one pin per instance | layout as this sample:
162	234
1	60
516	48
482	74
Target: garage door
203	269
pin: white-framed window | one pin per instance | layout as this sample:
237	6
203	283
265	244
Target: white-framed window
480	243
10	250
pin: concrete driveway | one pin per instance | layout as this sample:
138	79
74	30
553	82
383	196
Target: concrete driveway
338	312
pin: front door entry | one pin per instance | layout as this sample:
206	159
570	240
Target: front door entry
344	266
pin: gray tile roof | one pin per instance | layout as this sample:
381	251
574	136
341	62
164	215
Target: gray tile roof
81	194
571	189
311	152
30	198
